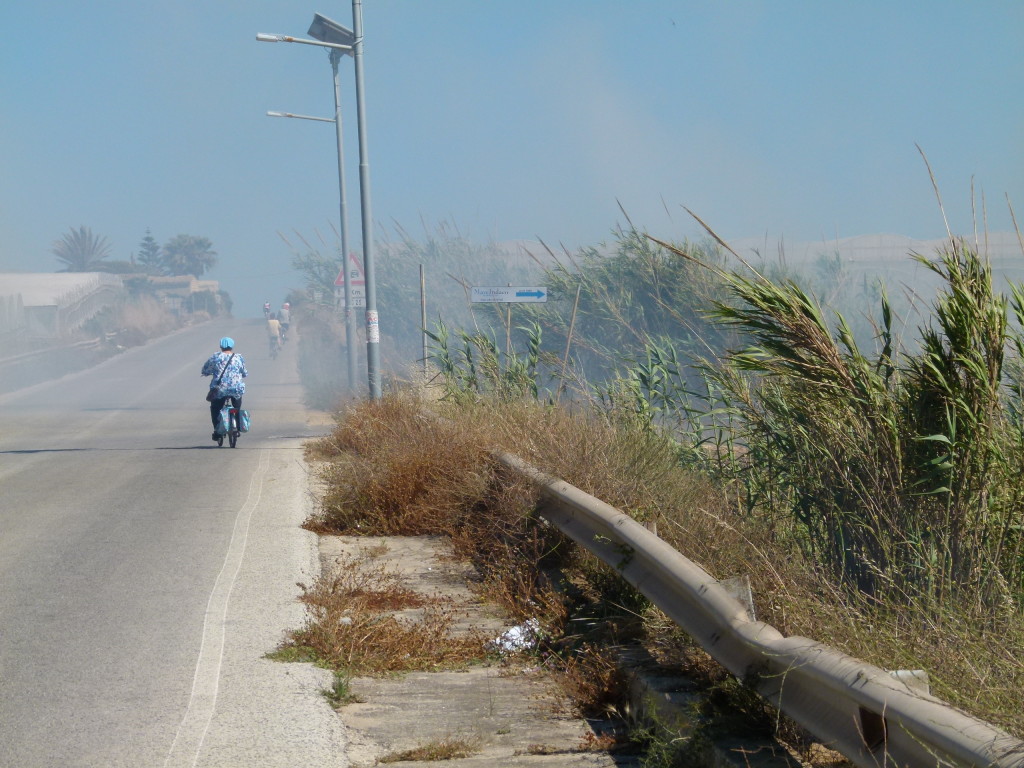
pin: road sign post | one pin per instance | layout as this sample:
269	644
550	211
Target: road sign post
357	283
508	294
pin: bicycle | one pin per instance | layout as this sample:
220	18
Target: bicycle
275	347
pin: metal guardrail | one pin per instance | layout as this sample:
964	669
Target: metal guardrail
87	344
871	717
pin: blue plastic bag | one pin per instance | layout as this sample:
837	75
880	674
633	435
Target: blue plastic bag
243	421
223	421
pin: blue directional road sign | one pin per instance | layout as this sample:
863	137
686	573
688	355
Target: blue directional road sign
509	294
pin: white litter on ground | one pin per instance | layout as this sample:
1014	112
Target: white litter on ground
519	638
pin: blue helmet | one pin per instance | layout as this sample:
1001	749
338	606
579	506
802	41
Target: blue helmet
227	343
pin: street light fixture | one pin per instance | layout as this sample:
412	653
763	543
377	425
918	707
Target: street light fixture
263	38
301	117
339	43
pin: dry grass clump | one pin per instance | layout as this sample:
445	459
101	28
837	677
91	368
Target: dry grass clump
390	470
592	678
593	742
351	626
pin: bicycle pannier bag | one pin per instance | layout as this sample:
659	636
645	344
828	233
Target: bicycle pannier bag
224	420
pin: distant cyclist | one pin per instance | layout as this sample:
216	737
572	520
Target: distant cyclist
285	318
228	371
266	309
274	334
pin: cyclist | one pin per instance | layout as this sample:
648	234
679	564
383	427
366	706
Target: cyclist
266	309
228	371
284	316
274	334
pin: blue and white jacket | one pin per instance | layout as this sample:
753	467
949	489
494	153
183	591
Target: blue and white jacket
230	384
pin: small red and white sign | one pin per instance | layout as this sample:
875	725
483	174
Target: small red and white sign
355	274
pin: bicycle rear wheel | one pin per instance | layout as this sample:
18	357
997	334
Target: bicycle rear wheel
232	437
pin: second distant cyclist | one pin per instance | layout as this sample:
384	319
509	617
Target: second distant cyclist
274	334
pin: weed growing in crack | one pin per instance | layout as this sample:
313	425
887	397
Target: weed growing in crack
442	749
340	693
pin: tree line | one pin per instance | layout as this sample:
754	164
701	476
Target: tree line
80	250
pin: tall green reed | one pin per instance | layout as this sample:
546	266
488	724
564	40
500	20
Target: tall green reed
477	368
659	392
896	467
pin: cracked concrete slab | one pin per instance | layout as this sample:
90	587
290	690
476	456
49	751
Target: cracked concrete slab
510	715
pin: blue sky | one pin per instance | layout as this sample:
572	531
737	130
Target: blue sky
516	119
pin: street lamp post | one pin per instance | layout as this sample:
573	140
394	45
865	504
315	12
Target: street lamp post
350	315
339	45
331	32
327	31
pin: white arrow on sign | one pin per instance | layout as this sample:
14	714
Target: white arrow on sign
509	294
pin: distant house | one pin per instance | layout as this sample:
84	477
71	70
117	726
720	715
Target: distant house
176	291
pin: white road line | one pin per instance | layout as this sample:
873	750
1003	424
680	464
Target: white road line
188	741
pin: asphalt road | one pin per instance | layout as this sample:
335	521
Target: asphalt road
145	572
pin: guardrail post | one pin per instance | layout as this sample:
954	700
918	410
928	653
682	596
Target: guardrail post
739	588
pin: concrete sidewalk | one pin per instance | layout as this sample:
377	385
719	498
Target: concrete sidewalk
512	716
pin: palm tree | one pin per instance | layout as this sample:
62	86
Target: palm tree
188	255
81	250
